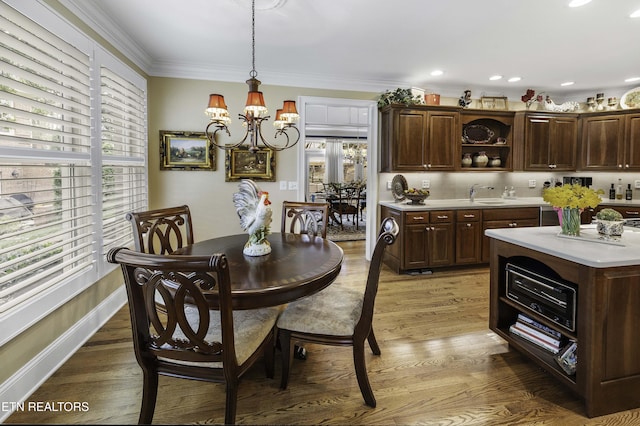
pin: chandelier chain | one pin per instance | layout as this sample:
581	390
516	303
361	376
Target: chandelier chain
253	72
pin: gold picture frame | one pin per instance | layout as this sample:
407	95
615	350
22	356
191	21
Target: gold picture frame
243	164
494	102
184	150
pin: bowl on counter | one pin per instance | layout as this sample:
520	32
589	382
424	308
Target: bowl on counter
416	196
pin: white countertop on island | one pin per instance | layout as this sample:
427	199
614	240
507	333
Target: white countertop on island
583	250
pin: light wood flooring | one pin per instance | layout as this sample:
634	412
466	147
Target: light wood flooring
440	365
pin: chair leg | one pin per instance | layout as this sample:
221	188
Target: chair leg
149	396
287	356
269	355
361	374
232	403
373	343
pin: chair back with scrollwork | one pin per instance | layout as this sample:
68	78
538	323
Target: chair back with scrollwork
191	334
161	231
305	218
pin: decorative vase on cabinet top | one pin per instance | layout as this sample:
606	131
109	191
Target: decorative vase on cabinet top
495	162
480	159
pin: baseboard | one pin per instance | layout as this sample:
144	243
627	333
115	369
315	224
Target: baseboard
25	381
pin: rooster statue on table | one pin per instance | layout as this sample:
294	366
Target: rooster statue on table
252	206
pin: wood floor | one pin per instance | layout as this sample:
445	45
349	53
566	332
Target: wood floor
440	365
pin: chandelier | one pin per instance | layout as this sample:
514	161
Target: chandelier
255	112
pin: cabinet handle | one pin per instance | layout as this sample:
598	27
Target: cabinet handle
513	224
537	120
418	218
626	166
632	213
443	217
428	166
619	166
469	215
552	166
468	225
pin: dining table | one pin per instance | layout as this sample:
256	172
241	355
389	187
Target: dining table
298	266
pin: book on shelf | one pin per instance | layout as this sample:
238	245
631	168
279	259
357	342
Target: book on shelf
533	323
519	330
537	334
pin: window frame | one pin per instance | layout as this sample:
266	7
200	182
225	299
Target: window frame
23	315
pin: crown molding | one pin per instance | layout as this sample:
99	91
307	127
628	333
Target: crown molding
91	13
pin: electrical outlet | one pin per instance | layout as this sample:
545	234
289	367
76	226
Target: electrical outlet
283	185
636	184
293	185
388	184
426	184
532	183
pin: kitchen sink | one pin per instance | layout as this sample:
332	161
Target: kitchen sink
490	202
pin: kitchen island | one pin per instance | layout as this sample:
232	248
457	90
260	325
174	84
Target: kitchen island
603	319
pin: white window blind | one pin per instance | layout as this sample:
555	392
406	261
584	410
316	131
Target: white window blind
72	160
123	134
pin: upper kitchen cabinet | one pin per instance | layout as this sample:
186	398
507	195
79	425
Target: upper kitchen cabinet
419	138
611	141
489	131
548	140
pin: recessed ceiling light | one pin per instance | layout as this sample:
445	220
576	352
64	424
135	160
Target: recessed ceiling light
578	3
436	73
632	79
635	14
567	83
495	77
514	79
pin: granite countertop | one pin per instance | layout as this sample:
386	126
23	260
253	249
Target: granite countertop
481	203
585	250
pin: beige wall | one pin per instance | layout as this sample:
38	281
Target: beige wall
178	105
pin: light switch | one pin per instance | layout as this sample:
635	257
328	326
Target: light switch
293	185
283	185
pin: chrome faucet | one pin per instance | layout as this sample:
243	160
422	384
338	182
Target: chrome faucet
474	190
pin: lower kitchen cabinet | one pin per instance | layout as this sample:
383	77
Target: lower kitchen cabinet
444	238
468	236
507	218
426	239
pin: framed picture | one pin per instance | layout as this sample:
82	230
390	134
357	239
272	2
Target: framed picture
244	164
492	102
186	151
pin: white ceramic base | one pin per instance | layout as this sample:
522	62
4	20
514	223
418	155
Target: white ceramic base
257	249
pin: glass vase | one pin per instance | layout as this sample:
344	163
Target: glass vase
570	223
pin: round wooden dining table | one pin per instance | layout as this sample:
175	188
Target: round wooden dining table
297	266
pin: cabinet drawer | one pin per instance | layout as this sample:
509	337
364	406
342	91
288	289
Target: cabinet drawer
511	213
441	216
416	217
468	215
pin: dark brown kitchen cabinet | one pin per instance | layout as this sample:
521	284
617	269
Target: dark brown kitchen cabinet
611	141
468	237
426	239
549	140
516	217
498	126
419	138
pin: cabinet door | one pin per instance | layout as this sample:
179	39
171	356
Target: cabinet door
602	142
441	244
442	138
408	140
537	142
550	143
416	253
564	141
632	143
468	242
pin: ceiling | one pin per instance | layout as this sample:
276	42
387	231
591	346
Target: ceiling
375	45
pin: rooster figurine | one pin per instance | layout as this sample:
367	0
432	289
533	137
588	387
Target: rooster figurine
252	206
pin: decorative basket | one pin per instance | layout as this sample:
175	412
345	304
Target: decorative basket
416	198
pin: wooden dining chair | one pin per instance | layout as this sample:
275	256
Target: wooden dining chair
200	336
346	203
299	217
338	316
161	231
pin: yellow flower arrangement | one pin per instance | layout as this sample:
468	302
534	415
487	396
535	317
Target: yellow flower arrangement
572	196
